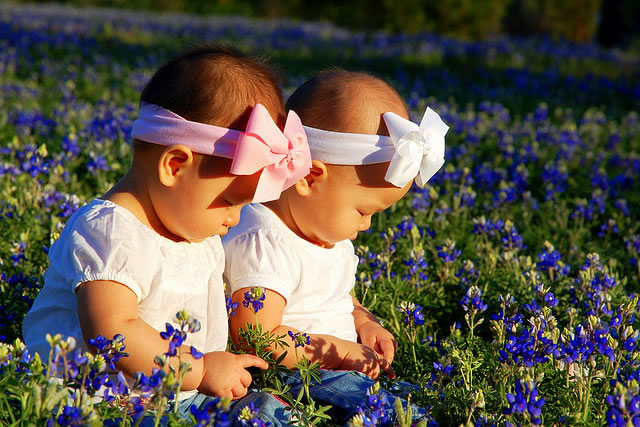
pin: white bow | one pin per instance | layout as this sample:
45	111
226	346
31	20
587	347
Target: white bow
419	149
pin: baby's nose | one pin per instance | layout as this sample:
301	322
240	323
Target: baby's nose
366	223
233	219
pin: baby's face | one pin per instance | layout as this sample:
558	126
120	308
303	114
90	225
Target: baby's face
206	202
344	205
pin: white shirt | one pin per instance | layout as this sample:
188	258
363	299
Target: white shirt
104	241
315	282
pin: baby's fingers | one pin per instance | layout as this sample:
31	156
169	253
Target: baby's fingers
388	349
248	360
238	392
386	367
368	340
245	378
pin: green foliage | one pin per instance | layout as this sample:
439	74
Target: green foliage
575	20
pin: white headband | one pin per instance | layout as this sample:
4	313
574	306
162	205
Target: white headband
414	152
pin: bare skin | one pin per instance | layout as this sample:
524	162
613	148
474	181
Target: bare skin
343	199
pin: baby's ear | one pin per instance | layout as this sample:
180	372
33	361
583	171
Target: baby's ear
172	163
317	174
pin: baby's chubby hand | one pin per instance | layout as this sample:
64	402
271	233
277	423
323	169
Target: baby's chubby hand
372	334
364	359
225	374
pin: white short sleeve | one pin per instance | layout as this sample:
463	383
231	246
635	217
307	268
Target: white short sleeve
261	258
101	248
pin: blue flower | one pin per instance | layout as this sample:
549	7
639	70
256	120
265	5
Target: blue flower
412	313
300	339
472	302
525	401
71	416
254	298
231	307
448	252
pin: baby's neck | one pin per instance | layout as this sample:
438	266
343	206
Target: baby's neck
130	193
281	208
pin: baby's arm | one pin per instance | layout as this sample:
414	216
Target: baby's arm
108	308
329	351
372	334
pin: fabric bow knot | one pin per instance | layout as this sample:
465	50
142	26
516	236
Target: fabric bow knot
283	156
419	149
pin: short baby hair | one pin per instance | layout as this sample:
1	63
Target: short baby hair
346	101
217	85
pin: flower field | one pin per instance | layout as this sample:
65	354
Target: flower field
512	281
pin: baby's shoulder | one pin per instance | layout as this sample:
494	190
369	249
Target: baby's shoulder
102	227
105	219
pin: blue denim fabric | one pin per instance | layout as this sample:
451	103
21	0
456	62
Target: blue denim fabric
271	409
346	390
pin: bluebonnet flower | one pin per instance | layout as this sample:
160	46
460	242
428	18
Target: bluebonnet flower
254	298
511	240
135	407
621	204
177	336
611	226
17	253
623	407
531	343
472	301
376	411
149	385
481	225
550	299
592	287
231	307
68	205
633	245
599	179
71	416
378	265
446	369
506	192
300	339
112	350
214	413
249	416
97	163
525	401
118	387
70	146
448	252
412	313
550	261
417	267
467	274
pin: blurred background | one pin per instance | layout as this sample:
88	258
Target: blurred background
609	22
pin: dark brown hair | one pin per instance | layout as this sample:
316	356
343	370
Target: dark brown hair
217	85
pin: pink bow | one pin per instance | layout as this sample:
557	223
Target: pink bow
283	156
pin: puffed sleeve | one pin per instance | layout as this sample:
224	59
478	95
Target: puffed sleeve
261	258
104	248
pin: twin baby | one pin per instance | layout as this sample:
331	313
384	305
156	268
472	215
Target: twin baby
213	135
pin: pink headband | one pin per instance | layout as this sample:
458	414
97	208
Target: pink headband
283	156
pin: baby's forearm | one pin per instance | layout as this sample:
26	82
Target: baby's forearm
327	350
361	315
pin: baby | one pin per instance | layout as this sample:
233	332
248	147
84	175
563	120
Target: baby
299	247
206	142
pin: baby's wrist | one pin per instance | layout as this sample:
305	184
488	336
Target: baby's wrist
375	321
